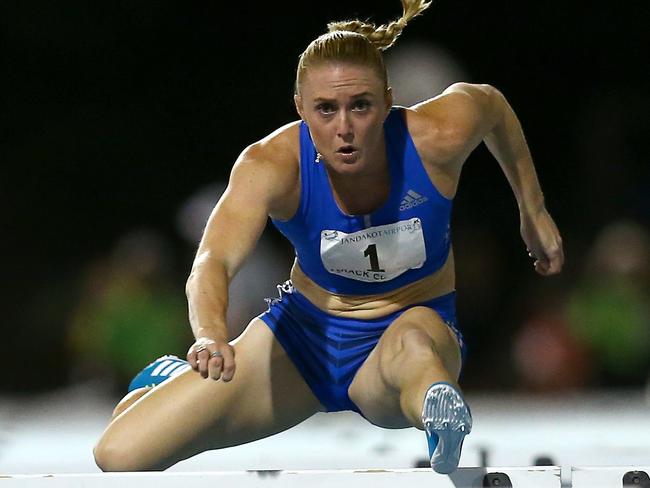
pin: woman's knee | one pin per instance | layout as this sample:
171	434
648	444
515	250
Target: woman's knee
433	330
403	352
418	339
413	344
107	458
113	456
416	331
131	454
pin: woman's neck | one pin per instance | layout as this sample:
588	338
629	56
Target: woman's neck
360	194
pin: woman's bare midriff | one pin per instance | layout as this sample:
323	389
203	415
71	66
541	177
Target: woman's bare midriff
365	307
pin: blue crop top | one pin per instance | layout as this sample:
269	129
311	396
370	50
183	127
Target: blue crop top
407	238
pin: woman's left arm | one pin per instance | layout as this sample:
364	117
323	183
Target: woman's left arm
499	127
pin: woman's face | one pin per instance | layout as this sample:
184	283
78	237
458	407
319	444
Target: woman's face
345	106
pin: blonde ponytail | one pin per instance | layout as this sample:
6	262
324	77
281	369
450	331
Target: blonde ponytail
357	42
384	36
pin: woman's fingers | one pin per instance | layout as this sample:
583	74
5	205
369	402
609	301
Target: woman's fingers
203	357
198	355
214	359
222	363
228	363
191	358
216	364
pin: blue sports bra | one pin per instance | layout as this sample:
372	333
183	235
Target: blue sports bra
404	240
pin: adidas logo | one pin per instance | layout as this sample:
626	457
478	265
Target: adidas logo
170	367
411	199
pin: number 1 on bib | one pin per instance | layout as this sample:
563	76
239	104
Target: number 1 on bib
371	252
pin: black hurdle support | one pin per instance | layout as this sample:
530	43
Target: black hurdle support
636	478
497	479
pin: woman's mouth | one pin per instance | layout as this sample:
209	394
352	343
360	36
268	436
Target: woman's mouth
347	154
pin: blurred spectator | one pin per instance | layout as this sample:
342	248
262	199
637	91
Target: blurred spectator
129	313
598	333
546	356
609	309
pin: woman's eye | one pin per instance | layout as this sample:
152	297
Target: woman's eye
325	108
361	105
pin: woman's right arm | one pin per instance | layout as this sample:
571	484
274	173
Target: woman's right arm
256	185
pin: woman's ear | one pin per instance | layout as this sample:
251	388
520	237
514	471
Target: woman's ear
297	99
389	98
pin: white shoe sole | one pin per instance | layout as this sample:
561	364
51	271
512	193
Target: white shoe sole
446	415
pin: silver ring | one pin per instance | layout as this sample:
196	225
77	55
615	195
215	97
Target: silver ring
216	354
201	347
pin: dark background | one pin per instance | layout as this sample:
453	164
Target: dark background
114	113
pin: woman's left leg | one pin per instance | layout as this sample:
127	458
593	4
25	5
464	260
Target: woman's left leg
411	379
416	350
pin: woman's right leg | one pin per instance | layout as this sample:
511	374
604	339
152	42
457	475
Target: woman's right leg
188	414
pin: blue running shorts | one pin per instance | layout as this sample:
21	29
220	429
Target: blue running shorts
328	350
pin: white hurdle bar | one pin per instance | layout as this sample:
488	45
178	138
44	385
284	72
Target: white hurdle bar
529	477
524	477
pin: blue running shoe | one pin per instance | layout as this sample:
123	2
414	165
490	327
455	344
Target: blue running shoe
447	420
160	370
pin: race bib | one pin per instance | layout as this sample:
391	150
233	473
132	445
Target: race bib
375	254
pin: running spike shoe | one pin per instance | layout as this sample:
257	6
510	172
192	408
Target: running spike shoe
447	420
161	369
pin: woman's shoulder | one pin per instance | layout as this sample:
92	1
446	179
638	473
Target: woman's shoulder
275	160
278	152
454	112
282	146
443	125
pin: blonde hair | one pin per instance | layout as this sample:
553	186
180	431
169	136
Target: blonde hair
357	42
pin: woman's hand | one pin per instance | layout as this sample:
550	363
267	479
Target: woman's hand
543	242
213	358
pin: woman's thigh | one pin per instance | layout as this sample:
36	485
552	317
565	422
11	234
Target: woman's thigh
375	386
189	414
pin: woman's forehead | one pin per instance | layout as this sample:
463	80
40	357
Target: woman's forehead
336	77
